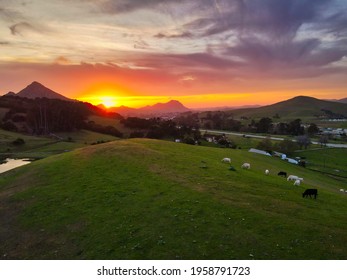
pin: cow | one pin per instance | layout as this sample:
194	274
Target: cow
309	192
226	160
292	178
297	182
246	166
267	172
282	173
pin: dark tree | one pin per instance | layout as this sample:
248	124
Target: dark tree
312	129
295	128
303	141
286	146
264	125
281	128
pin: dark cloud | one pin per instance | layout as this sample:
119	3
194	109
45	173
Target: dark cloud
22	27
260	52
18	28
185	34
186	63
275	18
268	36
126	6
175	8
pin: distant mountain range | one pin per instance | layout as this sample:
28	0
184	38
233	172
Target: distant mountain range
170	107
225	108
37	90
300	106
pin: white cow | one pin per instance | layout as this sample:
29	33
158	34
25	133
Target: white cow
342	190
294	177
267	172
246	165
297	182
226	160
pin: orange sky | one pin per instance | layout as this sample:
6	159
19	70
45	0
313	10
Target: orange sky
206	53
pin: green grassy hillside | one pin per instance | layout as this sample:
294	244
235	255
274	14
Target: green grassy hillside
329	160
40	147
149	199
303	107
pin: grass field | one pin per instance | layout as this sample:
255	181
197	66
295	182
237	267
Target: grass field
40	147
149	199
329	160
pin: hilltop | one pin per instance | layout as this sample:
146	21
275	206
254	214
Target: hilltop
297	107
37	90
151	199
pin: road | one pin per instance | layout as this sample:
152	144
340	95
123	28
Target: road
330	145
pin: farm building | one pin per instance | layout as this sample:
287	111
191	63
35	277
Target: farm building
259	152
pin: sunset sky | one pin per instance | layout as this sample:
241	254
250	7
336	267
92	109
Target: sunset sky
204	53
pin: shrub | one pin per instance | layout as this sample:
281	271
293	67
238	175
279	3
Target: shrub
18	142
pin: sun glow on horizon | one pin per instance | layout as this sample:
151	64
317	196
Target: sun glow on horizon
108	101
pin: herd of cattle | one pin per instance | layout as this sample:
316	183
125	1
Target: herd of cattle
297	180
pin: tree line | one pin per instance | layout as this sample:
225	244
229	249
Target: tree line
220	120
42	116
158	128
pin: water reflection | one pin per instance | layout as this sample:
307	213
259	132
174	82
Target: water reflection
11	163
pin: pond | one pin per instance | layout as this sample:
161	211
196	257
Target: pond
10	163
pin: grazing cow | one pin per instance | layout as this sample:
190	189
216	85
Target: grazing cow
246	165
292	178
297	182
309	192
282	173
226	160
267	172
342	190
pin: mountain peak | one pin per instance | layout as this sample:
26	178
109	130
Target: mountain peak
35	83
37	90
171	106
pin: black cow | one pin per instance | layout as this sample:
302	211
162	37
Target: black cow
310	192
282	173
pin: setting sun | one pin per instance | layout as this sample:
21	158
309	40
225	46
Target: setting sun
108	101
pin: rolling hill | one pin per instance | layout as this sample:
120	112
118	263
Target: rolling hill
151	199
298	107
343	100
